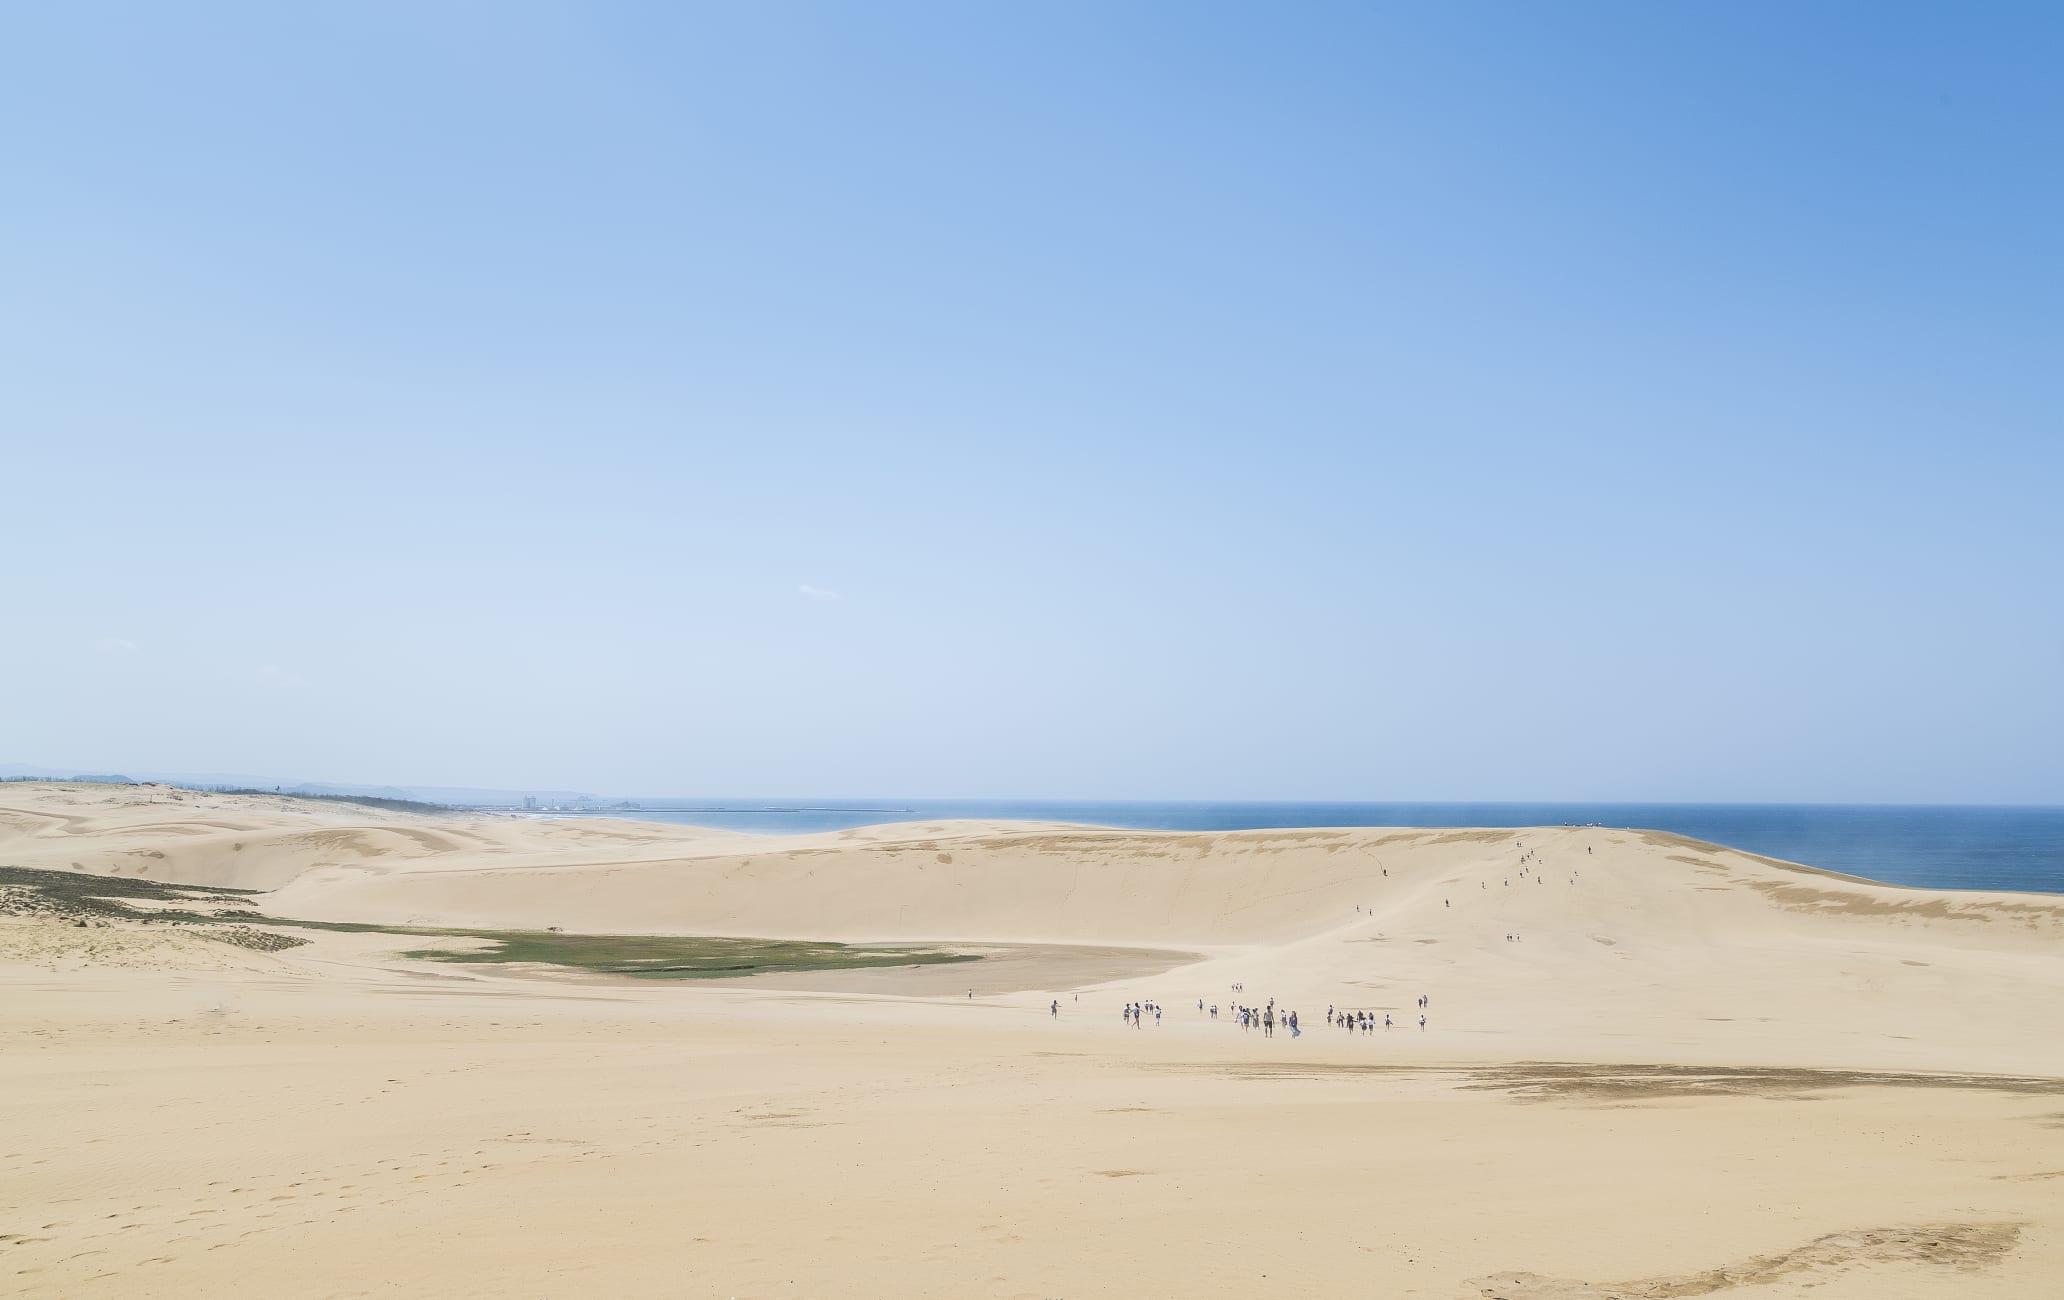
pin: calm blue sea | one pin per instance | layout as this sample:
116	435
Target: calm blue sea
1939	847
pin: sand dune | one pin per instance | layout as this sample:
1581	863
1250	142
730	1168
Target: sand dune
1760	1079
262	842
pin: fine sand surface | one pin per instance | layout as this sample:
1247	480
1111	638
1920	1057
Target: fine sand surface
1688	1071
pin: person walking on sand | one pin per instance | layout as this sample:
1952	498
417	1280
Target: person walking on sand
1422	1022
1056	1008
1386	1020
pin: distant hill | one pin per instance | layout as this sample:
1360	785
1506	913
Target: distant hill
436	795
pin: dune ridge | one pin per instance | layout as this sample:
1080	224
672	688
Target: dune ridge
1650	1066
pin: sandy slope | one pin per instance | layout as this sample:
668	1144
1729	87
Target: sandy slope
261	842
1779	1081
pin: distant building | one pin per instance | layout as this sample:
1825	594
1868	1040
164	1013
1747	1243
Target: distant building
530	803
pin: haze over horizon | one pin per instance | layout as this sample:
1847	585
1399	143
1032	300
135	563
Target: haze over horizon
922	805
1610	403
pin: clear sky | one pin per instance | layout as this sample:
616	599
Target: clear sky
1380	401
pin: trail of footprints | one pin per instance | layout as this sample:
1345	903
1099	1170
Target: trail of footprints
210	1221
80	1238
225	1212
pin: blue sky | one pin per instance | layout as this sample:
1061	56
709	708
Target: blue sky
1342	401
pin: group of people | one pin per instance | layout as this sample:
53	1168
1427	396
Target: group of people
1267	1017
1351	1021
1365	1021
1264	1018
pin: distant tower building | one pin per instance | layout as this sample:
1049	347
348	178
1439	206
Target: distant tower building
530	803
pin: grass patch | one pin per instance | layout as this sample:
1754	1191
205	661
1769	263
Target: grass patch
70	895
682	957
75	898
75	893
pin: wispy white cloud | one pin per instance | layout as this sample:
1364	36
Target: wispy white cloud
115	646
819	593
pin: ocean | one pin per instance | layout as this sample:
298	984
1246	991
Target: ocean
1941	847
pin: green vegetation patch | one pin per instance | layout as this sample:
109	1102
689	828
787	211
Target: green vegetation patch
683	957
73	895
87	901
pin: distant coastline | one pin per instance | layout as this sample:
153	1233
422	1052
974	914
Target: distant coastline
1929	846
1940	846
